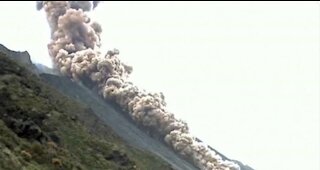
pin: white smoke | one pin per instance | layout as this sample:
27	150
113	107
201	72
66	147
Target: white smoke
75	51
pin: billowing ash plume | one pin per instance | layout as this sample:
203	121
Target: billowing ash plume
75	51
84	5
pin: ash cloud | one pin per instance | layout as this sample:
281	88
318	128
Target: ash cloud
75	52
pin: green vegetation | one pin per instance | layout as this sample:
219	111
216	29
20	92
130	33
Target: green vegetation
41	129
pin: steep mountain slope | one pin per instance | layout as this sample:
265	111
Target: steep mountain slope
50	122
43	129
108	113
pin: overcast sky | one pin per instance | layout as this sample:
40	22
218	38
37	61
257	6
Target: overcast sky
243	75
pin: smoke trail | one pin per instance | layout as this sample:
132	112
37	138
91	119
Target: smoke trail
75	51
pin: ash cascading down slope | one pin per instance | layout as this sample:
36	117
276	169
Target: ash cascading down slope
75	52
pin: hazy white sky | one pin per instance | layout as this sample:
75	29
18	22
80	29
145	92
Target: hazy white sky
244	75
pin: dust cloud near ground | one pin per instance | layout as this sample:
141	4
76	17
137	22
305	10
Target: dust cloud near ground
75	51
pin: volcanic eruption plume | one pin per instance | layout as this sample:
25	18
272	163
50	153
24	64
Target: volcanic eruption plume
75	52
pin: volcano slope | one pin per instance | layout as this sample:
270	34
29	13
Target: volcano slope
41	128
50	122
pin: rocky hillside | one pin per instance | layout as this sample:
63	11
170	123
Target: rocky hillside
40	128
50	122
